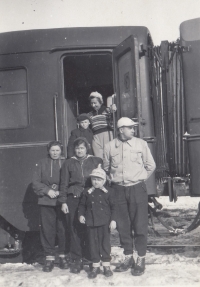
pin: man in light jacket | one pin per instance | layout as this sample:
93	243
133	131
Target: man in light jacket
128	162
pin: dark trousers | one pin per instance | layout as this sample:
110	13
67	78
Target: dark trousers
132	214
78	235
53	223
99	243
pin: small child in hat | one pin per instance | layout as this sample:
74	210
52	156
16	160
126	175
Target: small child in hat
82	131
97	209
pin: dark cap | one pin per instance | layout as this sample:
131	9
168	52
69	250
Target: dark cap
82	117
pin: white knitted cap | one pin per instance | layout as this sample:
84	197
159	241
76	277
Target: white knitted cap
99	172
96	95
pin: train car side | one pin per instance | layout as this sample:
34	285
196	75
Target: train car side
34	72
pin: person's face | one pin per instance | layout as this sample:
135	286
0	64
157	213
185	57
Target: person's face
127	132
97	182
80	150
84	124
55	152
95	104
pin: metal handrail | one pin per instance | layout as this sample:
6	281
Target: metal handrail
55	115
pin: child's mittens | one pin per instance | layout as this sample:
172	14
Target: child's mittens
82	219
113	225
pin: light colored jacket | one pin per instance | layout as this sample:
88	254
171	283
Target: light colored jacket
129	162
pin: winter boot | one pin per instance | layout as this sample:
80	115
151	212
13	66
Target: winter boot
49	264
63	263
126	264
77	266
139	267
93	274
106	271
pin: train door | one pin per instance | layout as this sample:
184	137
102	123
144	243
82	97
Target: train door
83	73
127	79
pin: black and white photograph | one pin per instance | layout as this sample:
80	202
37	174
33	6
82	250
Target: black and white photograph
99	143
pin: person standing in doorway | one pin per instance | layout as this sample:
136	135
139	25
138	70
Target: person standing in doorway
82	131
100	119
129	163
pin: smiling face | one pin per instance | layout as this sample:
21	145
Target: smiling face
80	150
55	152
97	182
95	104
84	124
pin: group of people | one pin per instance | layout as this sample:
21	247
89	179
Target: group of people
101	186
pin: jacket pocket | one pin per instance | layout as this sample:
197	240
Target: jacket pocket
116	160
136	156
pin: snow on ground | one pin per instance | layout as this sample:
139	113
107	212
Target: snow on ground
164	267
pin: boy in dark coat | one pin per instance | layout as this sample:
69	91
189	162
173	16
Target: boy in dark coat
82	131
97	210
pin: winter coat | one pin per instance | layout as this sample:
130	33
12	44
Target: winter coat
75	175
80	132
47	176
98	207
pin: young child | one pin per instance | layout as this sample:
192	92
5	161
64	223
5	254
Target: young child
82	131
97	210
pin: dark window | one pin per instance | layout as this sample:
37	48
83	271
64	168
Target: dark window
13	99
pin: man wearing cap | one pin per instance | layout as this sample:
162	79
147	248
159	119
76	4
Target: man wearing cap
128	162
82	131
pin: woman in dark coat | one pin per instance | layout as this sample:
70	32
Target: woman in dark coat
75	175
46	184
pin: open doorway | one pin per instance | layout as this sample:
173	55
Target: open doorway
83	74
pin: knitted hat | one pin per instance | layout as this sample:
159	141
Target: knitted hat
82	117
99	172
96	95
125	122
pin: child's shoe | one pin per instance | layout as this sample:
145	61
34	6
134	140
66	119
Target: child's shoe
107	272
48	266
93	274
77	266
63	263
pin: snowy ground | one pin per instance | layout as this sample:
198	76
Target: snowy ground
169	266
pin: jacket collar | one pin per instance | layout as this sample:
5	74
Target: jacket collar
118	142
74	157
93	188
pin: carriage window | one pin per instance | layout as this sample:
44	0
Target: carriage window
13	99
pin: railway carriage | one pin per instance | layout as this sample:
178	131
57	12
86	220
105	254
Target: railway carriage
46	77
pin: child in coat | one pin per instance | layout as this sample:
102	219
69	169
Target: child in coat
82	131
97	210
